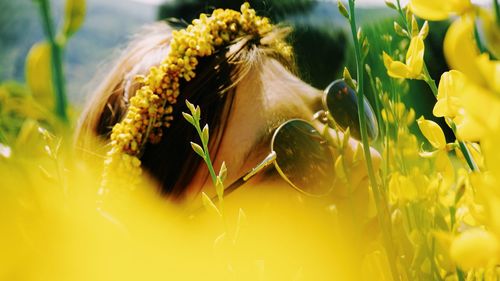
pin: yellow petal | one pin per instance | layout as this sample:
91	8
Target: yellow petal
460	49
39	74
445	168
429	9
482	106
450	87
398	69
432	132
491	31
387	61
468	129
490	70
415	56
438	10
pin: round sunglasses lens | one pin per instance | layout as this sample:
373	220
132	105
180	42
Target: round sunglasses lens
341	101
303	157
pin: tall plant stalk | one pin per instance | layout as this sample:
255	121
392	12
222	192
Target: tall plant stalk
380	202
56	59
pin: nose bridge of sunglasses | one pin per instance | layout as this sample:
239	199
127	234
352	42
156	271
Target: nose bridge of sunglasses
341	102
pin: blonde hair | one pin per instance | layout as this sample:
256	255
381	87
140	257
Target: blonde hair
172	163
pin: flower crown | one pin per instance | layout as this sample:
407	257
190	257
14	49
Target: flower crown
150	109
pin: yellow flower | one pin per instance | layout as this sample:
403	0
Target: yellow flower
150	109
448	102
412	68
481	115
439	10
491	31
460	49
490	71
475	248
434	134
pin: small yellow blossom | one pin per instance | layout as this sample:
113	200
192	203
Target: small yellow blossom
432	132
448	102
439	10
412	68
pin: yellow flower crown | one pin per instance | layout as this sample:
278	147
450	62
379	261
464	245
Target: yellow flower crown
150	109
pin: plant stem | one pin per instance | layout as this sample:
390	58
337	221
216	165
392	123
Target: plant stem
403	17
465	151
497	11
377	104
56	58
207	159
382	211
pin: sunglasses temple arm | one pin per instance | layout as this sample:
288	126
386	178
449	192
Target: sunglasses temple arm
264	164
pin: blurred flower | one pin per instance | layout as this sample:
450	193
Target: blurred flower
412	68
439	10
474	248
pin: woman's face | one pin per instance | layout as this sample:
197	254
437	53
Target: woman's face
264	99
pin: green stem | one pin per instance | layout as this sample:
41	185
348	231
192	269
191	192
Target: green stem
460	274
56	57
497	11
382	211
465	151
377	103
403	17
206	158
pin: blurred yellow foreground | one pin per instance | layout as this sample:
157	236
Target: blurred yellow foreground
55	226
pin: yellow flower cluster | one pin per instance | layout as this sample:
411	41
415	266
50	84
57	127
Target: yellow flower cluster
150	109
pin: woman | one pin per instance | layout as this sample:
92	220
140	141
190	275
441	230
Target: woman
243	79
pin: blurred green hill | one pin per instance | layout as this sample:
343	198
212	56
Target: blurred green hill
320	38
107	26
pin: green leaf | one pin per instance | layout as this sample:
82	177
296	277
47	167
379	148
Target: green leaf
342	9
205	134
239	223
197	148
390	5
197	113
219	188
39	74
74	17
399	30
207	202
188	118
223	172
340	171
190	106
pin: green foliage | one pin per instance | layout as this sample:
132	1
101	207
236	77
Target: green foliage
18	108
324	64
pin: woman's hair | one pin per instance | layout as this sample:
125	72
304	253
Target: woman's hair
172	162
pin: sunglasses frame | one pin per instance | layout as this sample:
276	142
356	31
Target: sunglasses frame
270	159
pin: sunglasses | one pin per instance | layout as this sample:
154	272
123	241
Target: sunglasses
301	155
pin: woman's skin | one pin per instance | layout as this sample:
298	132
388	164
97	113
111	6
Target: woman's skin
265	98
